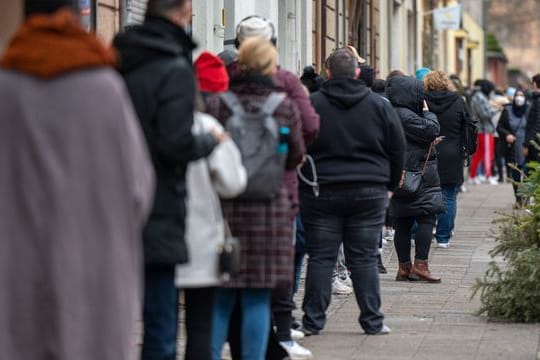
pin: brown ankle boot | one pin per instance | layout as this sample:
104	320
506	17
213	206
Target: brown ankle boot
404	272
421	270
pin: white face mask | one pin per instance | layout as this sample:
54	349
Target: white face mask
519	100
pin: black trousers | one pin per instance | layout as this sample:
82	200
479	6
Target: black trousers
352	216
423	236
199	310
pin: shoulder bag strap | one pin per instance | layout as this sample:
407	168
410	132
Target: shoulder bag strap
427	157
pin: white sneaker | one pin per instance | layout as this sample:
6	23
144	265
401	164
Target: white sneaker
295	350
297	335
389	234
346	280
339	288
493	181
385	330
481	178
443	245
477	180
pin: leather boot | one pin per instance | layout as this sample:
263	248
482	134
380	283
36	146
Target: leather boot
404	272
421	270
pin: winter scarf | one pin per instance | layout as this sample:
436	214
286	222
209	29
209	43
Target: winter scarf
47	46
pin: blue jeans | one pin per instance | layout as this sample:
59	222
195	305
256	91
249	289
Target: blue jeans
255	307
160	314
353	216
446	220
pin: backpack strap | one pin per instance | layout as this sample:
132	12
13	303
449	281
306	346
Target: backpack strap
271	104
232	102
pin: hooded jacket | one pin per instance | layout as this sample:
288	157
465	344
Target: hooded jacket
361	140
421	128
155	63
533	127
451	113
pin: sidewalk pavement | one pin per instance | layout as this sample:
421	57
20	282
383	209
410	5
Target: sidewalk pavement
435	321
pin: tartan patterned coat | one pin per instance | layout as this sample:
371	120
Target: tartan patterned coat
264	229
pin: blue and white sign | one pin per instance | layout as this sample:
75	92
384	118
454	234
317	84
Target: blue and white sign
447	18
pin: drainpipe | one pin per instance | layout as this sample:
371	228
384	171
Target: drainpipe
485	4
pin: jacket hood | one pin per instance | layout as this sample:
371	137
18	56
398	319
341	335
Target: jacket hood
345	93
441	100
406	92
156	39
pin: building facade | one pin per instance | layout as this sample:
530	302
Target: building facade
389	34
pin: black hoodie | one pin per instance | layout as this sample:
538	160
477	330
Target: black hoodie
154	61
360	140
451	112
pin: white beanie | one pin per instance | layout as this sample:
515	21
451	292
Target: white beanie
254	26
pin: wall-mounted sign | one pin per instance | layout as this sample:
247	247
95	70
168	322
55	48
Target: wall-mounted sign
447	18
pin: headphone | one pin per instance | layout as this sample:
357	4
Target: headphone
273	39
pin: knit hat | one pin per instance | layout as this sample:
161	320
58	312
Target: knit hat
211	73
46	6
422	72
254	26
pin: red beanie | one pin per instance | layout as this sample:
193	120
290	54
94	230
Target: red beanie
211	73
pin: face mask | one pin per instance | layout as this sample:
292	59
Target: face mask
519	100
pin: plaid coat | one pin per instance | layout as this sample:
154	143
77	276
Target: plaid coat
265	230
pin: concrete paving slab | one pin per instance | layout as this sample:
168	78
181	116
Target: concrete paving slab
436	321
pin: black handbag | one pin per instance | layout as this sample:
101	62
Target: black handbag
411	181
229	255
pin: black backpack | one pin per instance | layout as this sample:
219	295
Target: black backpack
469	136
257	136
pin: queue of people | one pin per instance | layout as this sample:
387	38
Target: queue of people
135	175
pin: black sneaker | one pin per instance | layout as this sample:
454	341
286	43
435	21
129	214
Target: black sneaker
296	325
308	332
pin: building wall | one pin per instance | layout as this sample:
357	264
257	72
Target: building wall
498	72
10	19
516	25
214	26
400	35
461	52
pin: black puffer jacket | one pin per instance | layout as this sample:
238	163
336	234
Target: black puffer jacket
533	127
407	95
451	113
155	64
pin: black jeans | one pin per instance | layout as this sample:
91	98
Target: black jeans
199	318
160	314
422	238
353	216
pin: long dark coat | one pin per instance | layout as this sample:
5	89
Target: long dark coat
264	229
451	113
157	70
407	95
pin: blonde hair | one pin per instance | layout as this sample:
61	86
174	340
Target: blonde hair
257	56
437	80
